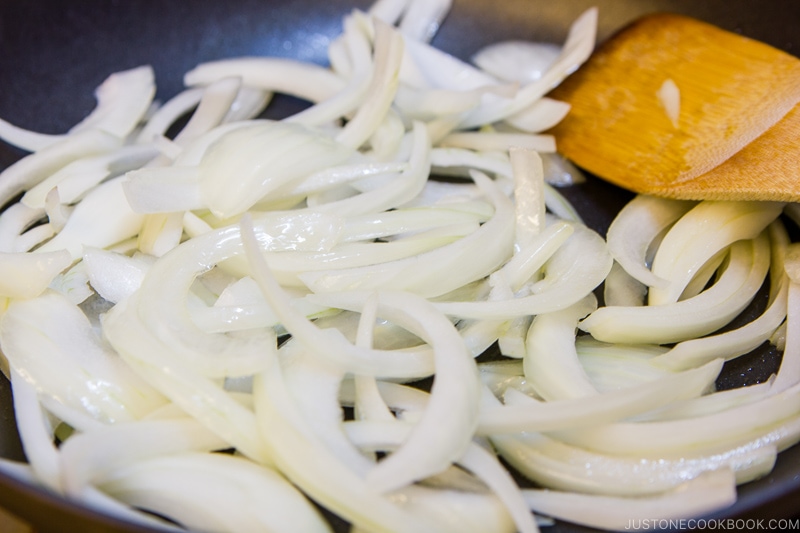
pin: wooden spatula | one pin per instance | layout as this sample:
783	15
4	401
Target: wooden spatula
737	133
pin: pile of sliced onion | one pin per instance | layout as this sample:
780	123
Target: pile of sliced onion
229	327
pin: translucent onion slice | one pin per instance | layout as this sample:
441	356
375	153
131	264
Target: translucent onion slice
524	267
388	45
595	409
330	178
113	275
217	491
263	156
315	470
33	168
560	172
32	141
314	383
465	260
636	227
369	404
76	178
573	271
709	404
622	289
521	61
105	202
457	511
74	284
452	409
421	20
697	316
160	233
427	67
539	116
101	502
303	80
511	339
499	141
184	384
248	104
87	458
463	159
212	109
730	344
350	56
455	391
789	371
14	221
241	307
551	362
561	466
363	254
168	113
705	230
330	341
617	366
35	432
162	296
771	421
388	11
122	101
427	104
405	222
27	275
164	189
52	343
708	492
389	435
577	48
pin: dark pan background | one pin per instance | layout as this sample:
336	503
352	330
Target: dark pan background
53	53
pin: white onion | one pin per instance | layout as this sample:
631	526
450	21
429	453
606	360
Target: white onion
148	281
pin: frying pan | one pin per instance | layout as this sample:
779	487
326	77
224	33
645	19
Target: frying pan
53	53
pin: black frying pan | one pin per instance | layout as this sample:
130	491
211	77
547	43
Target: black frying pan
53	53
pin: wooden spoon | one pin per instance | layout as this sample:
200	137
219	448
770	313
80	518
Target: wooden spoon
737	135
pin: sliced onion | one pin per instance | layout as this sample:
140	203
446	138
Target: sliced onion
52	344
634	229
226	493
699	235
25	275
697	316
710	491
34	168
521	61
280	75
